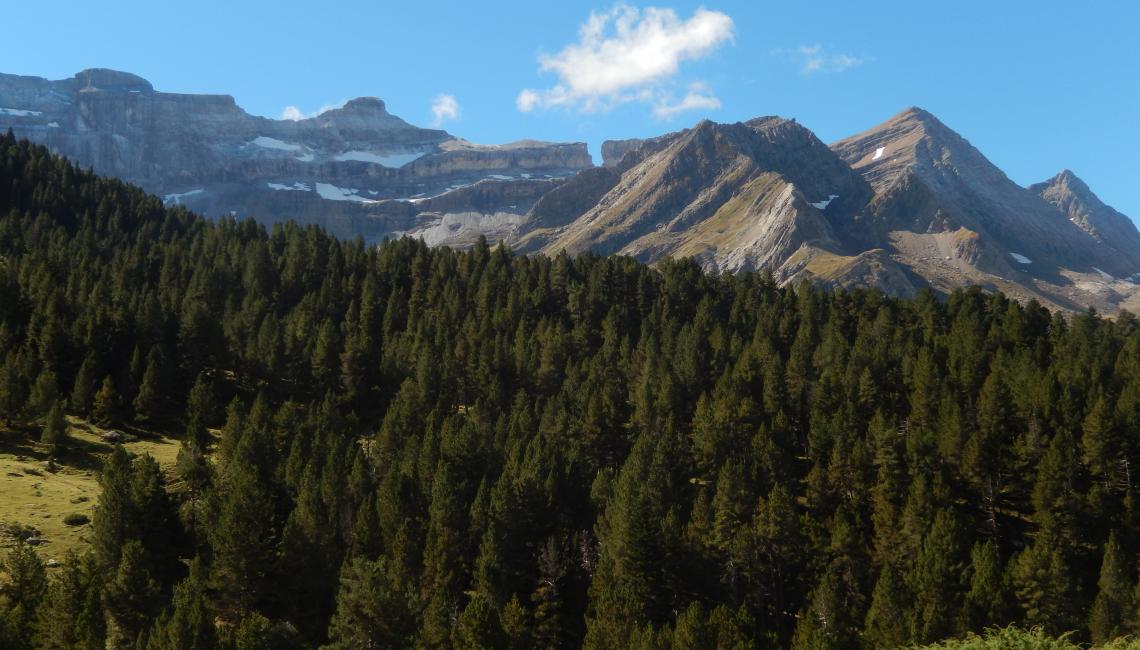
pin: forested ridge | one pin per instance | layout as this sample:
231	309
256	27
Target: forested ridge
428	448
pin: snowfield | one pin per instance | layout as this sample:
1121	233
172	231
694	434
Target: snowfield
393	160
273	143
334	193
295	187
822	205
19	112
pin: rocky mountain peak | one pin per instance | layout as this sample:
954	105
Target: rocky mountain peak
1064	179
93	79
365	105
1073	198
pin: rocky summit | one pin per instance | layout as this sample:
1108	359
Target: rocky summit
904	205
337	168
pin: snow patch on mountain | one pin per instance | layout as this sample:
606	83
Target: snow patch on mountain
392	160
273	143
19	112
295	187
822	205
334	193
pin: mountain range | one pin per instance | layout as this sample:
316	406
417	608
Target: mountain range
904	205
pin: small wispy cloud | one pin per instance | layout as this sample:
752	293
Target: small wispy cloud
816	59
444	107
629	55
696	99
294	114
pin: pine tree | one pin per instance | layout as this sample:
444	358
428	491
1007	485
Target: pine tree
66	618
986	601
936	579
115	520
1113	604
44	394
478	626
131	595
188	623
370	612
1101	443
150	400
834	612
1043	583
244	536
24	588
106	410
192	464
516	624
54	435
887	622
13	389
83	391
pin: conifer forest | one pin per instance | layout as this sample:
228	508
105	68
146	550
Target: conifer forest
399	446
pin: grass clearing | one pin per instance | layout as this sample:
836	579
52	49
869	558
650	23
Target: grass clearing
31	495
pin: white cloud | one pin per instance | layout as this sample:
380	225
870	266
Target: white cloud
626	55
444	107
294	114
814	59
527	100
696	99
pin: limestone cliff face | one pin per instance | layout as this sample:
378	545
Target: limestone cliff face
204	151
614	150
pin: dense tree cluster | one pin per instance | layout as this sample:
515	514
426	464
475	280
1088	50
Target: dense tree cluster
480	450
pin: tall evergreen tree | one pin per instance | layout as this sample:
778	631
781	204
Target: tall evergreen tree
54	434
1113	604
107	408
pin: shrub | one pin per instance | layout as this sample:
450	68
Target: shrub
76	519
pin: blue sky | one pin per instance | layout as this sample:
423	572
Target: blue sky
1037	86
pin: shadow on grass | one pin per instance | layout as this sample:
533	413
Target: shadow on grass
85	452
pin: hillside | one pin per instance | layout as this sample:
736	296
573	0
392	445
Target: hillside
428	448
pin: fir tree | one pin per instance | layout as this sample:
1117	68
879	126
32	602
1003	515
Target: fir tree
370	612
44	394
131	596
887	624
54	435
1113	604
986	600
24	588
188	624
83	390
106	409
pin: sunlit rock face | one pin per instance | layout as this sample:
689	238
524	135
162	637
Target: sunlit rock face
205	152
